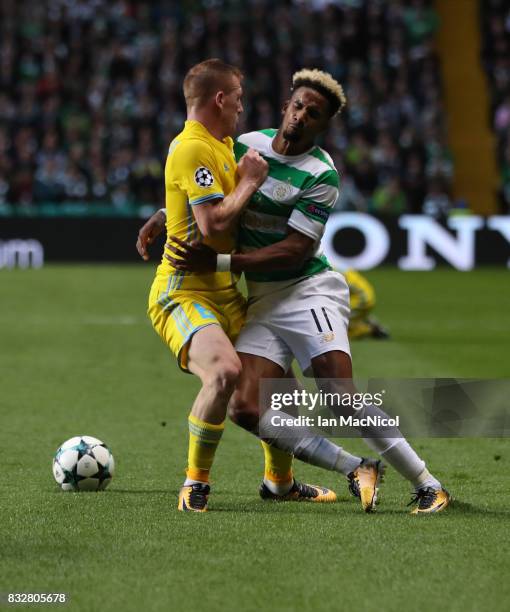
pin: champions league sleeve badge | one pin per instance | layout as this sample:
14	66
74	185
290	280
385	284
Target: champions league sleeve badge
204	177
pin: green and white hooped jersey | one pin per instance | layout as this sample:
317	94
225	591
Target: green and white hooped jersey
299	192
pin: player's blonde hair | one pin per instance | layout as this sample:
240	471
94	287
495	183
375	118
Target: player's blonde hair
324	83
205	79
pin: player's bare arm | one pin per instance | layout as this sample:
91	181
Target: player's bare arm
149	232
289	253
218	216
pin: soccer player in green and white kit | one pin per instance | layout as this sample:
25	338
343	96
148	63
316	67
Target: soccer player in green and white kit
298	307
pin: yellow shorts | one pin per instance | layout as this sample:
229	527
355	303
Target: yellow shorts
362	294
178	315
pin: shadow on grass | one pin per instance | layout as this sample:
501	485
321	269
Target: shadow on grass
455	509
250	505
142	491
460	507
120	491
256	506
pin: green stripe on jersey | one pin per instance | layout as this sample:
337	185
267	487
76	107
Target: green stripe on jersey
319	154
269	132
290	186
311	267
251	239
326	178
239	149
261	203
287	174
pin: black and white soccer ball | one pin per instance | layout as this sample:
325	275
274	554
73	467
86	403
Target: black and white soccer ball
83	463
203	177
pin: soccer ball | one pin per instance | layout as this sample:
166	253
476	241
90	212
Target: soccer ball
83	463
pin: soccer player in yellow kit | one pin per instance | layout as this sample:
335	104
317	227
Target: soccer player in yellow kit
283	319
362	301
199	316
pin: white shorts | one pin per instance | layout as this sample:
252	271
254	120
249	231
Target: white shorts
303	320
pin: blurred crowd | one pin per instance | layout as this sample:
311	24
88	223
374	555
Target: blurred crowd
496	59
90	93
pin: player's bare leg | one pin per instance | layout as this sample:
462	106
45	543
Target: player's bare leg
394	448
213	359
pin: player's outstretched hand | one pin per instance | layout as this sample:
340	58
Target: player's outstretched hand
252	166
191	256
146	235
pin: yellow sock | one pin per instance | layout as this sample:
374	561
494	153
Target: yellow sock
278	465
203	440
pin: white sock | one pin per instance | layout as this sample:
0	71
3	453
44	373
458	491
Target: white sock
278	488
404	459
346	463
396	451
425	479
307	447
324	454
401	456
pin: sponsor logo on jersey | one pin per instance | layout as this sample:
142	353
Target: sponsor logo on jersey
226	167
318	212
204	177
327	337
255	221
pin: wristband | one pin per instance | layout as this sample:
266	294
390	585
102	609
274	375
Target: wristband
163	210
223	262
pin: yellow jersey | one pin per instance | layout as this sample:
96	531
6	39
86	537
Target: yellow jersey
199	169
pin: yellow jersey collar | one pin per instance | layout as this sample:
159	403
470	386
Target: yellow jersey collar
193	124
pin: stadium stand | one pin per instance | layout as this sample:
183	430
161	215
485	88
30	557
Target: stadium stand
495	19
90	95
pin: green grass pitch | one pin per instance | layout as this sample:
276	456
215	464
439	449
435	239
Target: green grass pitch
78	356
